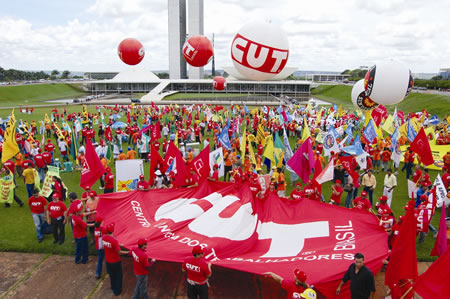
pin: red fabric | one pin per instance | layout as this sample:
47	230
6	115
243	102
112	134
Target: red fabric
156	162
292	289
156	132
140	261
182	174
440	246
79	227
421	146
201	163
348	163
378	114
434	282
112	248
56	209
247	234
92	167
403	259
37	205
197	269
108	134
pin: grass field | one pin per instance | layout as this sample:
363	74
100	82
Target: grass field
37	94
341	95
178	96
19	233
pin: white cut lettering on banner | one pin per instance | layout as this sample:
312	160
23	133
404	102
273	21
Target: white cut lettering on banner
289	239
136	206
345	237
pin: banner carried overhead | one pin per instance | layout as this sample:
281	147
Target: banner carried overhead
238	232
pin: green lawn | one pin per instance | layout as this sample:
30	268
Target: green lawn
341	95
36	94
178	95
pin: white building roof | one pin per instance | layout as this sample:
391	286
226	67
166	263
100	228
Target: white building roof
133	75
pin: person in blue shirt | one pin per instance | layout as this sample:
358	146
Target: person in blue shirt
424	189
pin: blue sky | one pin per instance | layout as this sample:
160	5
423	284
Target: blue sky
83	35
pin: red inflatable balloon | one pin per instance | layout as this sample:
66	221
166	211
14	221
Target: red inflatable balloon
198	50
131	51
219	83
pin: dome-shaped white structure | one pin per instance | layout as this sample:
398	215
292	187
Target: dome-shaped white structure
135	75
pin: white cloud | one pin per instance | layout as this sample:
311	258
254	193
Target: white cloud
323	35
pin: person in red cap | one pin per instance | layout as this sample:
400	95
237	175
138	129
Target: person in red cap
311	191
361	202
98	234
112	258
109	181
297	193
382	207
55	217
198	272
336	193
141	266
143	185
295	287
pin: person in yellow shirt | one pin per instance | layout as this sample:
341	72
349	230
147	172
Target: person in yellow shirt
131	154
122	155
28	176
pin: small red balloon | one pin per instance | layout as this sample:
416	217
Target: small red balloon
219	83
198	50
131	51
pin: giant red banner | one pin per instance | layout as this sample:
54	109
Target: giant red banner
249	235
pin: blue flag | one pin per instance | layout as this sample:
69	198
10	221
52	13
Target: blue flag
224	139
246	109
335	107
332	130
394	138
434	120
411	132
279	109
369	132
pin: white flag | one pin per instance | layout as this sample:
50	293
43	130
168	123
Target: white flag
412	188
441	192
362	160
216	157
327	173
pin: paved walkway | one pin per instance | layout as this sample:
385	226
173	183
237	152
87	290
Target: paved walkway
25	275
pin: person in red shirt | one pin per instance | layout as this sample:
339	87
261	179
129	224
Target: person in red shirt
40	164
193	179
37	205
295	287
109	181
112	258
311	191
141	266
198	272
297	193
79	234
47	158
417	177
446	176
336	193
215	175
361	202
143	185
55	217
382	207
255	186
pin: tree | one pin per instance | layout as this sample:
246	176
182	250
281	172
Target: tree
55	73
163	75
437	78
65	74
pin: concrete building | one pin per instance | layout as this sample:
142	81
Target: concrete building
328	77
195	27
177	37
445	73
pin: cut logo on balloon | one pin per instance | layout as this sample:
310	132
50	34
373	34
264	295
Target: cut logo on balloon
410	84
368	80
364	102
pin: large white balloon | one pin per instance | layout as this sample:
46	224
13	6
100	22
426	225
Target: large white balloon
359	98
259	51
388	83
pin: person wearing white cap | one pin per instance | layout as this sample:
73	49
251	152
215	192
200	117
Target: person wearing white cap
158	180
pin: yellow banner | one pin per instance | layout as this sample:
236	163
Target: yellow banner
438	152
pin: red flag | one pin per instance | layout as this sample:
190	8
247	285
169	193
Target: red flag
317	168
201	163
108	134
92	167
349	164
173	153
403	261
440	246
378	114
421	146
156	162
156	132
434	282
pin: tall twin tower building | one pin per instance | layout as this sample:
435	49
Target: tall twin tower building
177	35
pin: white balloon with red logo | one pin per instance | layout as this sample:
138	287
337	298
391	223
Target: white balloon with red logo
219	83
131	51
259	51
198	50
388	82
359	98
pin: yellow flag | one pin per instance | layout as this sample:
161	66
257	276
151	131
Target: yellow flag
319	117
176	139
280	161
10	147
268	152
252	154
58	132
368	118
428	131
388	125
306	133
260	135
403	130
243	143
47	119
